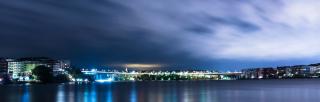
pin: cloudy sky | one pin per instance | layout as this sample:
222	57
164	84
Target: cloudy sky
228	34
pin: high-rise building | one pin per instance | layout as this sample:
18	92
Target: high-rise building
60	66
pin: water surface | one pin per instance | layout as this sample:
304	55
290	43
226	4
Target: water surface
168	91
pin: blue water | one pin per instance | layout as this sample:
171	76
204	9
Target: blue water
168	91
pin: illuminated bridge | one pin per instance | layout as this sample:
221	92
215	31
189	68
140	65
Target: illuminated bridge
161	75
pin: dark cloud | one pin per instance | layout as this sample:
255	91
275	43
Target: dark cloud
116	31
85	31
237	23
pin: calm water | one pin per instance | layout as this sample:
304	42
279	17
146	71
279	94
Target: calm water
175	91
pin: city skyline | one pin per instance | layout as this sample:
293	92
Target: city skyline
209	33
7	62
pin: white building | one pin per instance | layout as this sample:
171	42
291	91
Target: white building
21	69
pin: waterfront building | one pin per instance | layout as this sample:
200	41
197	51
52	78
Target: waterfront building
299	71
14	68
284	72
60	66
21	69
259	73
315	68
267	73
249	73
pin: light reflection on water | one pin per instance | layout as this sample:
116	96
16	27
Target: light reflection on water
176	91
133	94
109	94
25	96
60	94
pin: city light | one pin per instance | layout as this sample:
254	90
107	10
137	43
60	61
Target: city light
104	80
142	65
136	75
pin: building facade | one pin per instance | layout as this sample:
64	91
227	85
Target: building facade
297	71
21	69
315	68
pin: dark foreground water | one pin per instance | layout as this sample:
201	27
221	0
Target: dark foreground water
174	91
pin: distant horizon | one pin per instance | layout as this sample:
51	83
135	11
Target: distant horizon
163	66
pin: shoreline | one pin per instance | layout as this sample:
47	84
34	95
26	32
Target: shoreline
35	83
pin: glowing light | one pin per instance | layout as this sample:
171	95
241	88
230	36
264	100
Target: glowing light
79	80
27	78
93	70
104	80
132	79
1	79
21	78
142	65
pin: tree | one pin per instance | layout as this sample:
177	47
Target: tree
43	73
76	72
61	78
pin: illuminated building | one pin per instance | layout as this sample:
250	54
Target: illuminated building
284	72
21	69
297	71
14	68
300	71
250	73
269	73
59	66
314	68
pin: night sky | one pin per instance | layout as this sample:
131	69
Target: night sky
226	34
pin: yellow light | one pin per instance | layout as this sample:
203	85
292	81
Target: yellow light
141	65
